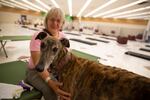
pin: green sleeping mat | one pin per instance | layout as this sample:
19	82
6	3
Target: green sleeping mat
83	41
84	55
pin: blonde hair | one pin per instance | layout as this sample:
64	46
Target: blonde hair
54	12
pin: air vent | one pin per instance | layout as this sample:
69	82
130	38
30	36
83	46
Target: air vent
142	3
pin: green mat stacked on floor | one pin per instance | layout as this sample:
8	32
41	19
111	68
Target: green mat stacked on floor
83	41
84	55
99	40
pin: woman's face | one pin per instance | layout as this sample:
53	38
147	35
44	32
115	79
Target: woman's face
54	24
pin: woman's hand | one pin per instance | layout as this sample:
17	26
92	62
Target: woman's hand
62	94
55	86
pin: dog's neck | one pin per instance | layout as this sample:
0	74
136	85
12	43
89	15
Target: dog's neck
63	58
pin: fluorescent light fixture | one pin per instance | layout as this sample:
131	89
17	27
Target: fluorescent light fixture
43	4
19	3
133	15
139	17
5	4
101	7
70	7
119	8
127	12
146	18
30	3
84	7
10	3
54	2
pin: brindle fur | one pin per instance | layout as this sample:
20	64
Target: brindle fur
89	80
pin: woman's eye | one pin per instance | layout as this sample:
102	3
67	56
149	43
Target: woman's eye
58	20
55	49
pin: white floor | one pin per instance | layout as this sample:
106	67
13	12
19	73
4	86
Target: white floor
112	52
14	49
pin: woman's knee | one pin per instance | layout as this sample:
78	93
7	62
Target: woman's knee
49	94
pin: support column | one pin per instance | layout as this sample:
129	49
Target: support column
146	36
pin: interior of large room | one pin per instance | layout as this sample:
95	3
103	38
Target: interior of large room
105	46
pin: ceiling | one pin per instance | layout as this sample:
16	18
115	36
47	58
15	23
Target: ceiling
130	9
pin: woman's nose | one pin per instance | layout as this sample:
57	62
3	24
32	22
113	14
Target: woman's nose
55	22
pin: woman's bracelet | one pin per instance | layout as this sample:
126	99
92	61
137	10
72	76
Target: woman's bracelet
47	79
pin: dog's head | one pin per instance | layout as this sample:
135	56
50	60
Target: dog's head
50	49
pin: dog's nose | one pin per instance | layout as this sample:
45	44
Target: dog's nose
39	68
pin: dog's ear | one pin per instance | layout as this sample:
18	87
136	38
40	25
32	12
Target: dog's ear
65	42
41	36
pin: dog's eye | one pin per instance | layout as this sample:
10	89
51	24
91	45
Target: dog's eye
55	49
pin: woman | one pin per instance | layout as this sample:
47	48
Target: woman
42	80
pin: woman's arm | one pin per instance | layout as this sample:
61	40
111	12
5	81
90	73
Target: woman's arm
35	55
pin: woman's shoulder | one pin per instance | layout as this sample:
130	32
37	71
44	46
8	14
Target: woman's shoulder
61	35
35	34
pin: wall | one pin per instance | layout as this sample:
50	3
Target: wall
10	17
147	32
7	20
121	27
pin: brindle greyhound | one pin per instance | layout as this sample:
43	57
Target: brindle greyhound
88	80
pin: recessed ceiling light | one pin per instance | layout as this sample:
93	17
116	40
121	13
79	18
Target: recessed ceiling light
133	15
15	5
54	2
5	4
43	4
24	5
140	17
127	12
70	7
101	7
119	8
33	5
84	7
